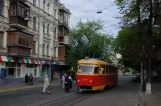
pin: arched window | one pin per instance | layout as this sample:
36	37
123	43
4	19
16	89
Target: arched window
34	23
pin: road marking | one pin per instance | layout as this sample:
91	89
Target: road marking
22	88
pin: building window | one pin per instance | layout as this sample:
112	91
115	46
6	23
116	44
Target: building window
1	39
33	47
48	6
54	51
44	27
34	2
43	49
55	32
48	29
13	10
47	50
44	3
34	23
20	41
23	41
55	12
27	44
1	7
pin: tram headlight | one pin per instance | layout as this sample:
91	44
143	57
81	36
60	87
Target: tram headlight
78	80
90	81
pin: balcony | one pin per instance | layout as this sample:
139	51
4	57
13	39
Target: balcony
18	23
19	14
19	50
64	40
19	43
63	23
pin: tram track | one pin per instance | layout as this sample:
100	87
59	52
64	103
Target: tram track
69	100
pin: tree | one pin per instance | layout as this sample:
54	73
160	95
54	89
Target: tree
141	14
86	40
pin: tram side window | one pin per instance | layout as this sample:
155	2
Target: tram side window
102	70
107	70
96	70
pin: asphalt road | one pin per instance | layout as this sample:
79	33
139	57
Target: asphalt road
125	94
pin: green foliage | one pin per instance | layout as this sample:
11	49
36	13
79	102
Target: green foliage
86	40
134	35
127	70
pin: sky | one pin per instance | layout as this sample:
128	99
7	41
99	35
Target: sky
87	10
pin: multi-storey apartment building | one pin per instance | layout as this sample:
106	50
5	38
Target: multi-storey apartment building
63	38
28	38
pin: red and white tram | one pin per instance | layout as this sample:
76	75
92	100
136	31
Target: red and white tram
94	74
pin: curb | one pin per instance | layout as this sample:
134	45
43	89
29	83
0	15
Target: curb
22	88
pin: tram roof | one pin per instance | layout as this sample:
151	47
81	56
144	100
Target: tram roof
94	61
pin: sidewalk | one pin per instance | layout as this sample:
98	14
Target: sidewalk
21	86
153	99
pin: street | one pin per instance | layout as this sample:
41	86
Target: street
125	94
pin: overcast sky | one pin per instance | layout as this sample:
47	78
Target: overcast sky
87	10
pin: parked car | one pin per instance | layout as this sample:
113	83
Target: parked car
136	78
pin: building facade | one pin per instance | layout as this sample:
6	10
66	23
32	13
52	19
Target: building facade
28	38
63	17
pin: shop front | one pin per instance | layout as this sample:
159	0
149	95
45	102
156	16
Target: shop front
17	68
45	68
57	70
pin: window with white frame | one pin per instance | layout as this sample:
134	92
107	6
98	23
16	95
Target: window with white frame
55	33
43	49
44	3
48	28
44	27
55	51
48	7
34	2
34	23
47	50
55	12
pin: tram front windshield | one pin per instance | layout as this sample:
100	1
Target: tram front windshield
88	69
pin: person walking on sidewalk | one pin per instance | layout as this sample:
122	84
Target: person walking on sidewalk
70	83
26	79
63	81
46	84
31	78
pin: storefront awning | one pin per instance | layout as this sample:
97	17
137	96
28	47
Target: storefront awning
28	61
19	60
6	59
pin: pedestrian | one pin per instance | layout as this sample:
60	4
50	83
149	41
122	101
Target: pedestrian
63	81
26	79
31	78
70	83
66	83
46	84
